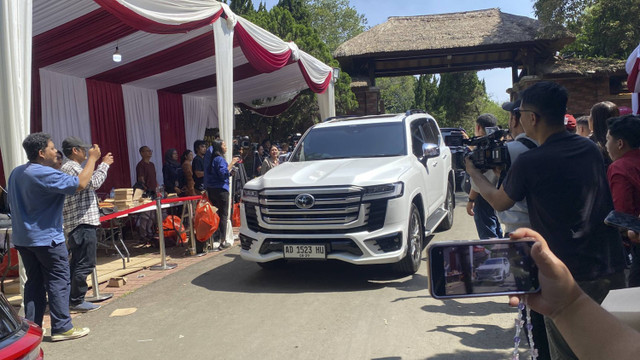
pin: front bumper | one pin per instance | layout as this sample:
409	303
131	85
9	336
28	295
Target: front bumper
383	246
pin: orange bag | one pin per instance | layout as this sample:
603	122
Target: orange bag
206	220
235	217
173	229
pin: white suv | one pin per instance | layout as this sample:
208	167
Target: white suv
364	190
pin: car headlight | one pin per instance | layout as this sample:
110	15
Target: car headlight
250	196
384	191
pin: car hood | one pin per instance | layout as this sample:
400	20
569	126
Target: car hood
488	267
358	171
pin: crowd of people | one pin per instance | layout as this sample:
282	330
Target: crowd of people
55	213
562	181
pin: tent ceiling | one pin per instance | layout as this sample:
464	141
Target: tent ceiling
78	38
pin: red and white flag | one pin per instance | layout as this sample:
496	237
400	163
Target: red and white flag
633	81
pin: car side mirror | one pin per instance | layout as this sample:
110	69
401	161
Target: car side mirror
430	150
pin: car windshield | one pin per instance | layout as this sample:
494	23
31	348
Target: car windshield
493	261
352	141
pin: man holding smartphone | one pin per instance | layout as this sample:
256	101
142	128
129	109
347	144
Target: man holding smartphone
623	146
567	195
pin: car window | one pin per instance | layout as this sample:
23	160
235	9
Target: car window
417	138
352	141
434	130
429	136
9	320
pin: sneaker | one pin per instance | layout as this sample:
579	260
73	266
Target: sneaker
225	245
84	307
71	334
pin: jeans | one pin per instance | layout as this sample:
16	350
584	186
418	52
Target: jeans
47	270
596	289
83	244
487	223
220	199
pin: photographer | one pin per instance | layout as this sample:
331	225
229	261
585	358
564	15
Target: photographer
518	215
567	195
483	214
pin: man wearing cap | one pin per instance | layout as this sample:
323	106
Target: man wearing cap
564	183
36	194
81	220
518	215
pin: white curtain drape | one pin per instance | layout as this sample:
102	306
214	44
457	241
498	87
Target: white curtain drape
223	36
143	127
327	103
173	12
65	107
15	77
199	113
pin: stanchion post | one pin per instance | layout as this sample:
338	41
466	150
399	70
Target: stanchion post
192	250
163	256
97	297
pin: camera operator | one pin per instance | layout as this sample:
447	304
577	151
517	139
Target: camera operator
567	195
484	215
518	215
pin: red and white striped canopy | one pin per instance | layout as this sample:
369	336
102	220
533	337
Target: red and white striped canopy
165	90
78	38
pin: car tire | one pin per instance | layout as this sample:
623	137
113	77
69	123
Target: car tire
415	238
272	265
447	222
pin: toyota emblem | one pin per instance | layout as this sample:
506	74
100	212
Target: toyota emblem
305	201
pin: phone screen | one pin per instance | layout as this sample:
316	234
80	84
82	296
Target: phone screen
482	268
623	221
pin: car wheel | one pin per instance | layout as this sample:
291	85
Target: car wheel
274	264
447	222
411	261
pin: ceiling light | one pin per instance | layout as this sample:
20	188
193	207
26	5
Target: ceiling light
116	56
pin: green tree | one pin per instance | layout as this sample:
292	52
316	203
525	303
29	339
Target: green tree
242	7
603	28
461	95
336	21
291	21
397	93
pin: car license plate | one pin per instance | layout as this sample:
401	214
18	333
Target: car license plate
305	251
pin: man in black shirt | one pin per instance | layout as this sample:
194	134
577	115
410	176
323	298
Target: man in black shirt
199	148
568	197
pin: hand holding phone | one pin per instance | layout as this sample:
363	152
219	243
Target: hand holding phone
559	289
482	268
623	221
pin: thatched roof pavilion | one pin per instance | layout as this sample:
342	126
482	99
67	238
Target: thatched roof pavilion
472	40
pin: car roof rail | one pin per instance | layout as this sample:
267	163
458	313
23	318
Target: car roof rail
339	117
415	111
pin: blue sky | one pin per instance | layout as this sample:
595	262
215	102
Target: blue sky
377	12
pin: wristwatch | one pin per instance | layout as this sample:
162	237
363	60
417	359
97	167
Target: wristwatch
472	200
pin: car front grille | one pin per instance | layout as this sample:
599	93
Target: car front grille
333	210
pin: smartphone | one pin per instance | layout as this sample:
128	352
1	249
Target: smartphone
473	268
623	221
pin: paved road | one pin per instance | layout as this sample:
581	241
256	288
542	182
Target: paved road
226	308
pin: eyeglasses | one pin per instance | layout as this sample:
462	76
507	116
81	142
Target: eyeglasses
519	111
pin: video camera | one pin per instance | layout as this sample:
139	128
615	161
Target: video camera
491	150
243	141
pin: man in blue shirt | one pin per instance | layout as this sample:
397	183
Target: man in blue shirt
36	194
